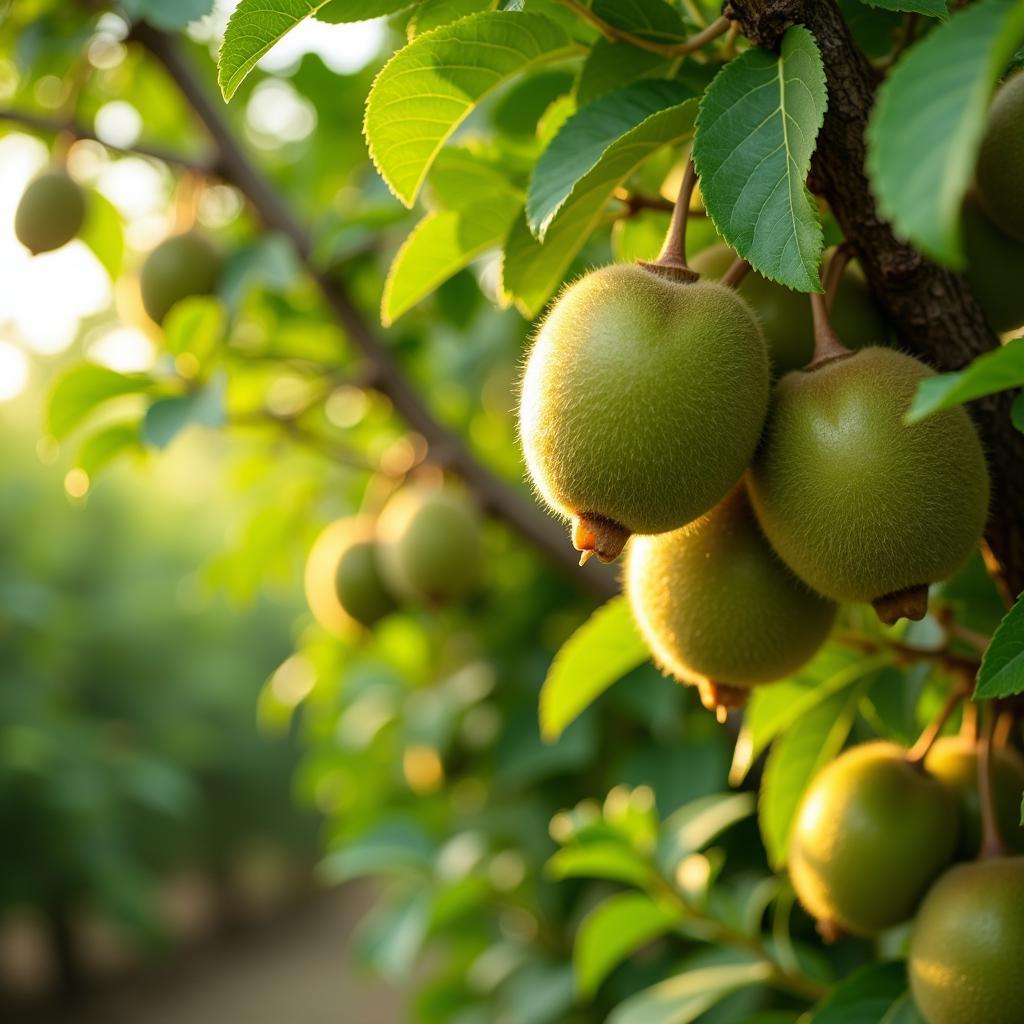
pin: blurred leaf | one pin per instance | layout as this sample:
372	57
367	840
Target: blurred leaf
794	760
167	417
773	709
393	936
462	178
1017	412
650	19
613	930
393	847
583	140
903	1011
540	993
170	17
934	102
864	997
268	263
685	997
101	448
756	130
432	14
601	651
428	88
531	271
999	370
602	859
612	65
692	827
253	28
341	11
84	387
932	8
440	246
103	232
196	325
1002	667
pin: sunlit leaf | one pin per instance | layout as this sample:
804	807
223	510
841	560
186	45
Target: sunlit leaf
603	859
84	387
1002	668
756	131
692	827
103	232
391	847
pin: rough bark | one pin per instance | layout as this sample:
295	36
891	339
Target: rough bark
932	309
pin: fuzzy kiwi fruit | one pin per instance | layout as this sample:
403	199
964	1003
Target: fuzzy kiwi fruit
859	504
50	212
995	268
872	833
1001	157
642	402
180	266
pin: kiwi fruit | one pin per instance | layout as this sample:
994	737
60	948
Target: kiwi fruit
642	402
871	834
180	266
995	268
954	760
785	315
964	961
718	608
343	580
859	504
430	544
1000	158
50	212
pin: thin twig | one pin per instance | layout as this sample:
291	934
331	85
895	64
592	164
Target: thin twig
919	751
690	45
992	844
834	273
738	270
673	250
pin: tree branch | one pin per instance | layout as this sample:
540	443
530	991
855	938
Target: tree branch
933	310
56	125
447	449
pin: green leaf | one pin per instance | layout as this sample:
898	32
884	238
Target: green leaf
932	8
429	88
692	827
167	417
773	709
84	387
433	14
651	19
253	28
442	244
903	1011
1002	667
105	445
864	997
612	65
170	17
601	651
531	270
1017	412
612	931
392	847
998	370
794	760
602	859
756	130
343	11
195	325
583	140
685	997
103	232
928	121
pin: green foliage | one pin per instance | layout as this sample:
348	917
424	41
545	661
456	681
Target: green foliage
758	123
1002	669
934	102
866	997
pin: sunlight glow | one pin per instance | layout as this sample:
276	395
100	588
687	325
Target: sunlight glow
118	123
13	371
125	349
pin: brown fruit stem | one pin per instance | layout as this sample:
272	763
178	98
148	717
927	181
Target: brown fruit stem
671	261
969	724
992	844
829	931
738	270
720	697
834	273
1003	729
911	603
596	535
827	345
919	751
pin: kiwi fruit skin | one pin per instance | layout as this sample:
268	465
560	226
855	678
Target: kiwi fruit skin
643	398
785	315
871	834
856	502
1000	158
430	544
954	761
995	268
344	583
715	603
180	266
965	949
50	212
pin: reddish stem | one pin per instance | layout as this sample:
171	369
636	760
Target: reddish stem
827	345
992	844
738	270
671	261
919	751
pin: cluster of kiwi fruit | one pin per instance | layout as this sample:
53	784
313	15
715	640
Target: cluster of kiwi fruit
875	842
764	478
51	212
423	549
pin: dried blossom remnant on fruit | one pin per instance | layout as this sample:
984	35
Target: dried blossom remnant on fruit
642	402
